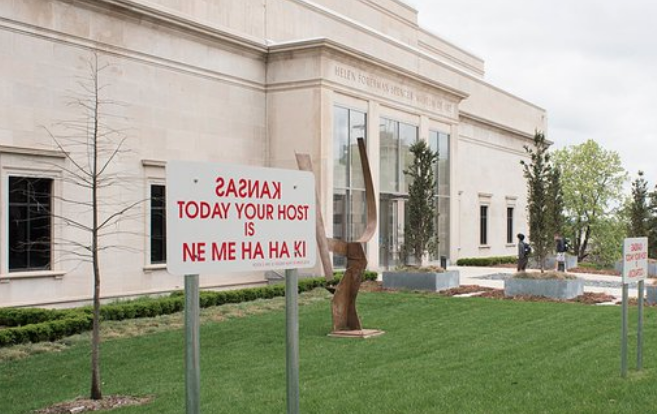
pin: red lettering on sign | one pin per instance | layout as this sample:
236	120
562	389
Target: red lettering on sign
202	210
636	273
225	251
247	188
300	248
293	212
251	211
194	252
252	251
278	250
635	247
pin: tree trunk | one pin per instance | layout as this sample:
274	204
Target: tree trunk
582	252
96	393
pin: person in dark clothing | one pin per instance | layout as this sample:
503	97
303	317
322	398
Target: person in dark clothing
523	253
561	247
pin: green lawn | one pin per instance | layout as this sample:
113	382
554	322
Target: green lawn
439	355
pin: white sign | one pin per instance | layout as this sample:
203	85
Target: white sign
635	259
223	217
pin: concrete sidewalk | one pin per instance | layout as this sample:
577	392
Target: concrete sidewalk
606	284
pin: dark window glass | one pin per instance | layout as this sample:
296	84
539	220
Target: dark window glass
509	225
158	224
30	223
483	225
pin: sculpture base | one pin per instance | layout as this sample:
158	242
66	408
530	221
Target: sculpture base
360	333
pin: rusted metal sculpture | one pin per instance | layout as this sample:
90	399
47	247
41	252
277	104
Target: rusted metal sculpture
345	316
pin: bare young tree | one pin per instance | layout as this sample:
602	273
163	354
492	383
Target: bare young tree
91	206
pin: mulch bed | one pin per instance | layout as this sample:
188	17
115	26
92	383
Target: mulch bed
609	272
506	265
465	289
83	405
371	286
588	298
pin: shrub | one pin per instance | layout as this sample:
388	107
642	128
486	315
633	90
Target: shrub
28	316
486	261
76	322
37	325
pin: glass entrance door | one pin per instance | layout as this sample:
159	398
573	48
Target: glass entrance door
391	230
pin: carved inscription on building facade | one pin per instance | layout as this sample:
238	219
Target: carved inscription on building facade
386	87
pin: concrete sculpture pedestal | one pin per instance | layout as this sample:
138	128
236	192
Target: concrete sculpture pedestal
551	288
421	280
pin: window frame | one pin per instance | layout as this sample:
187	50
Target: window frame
154	174
347	190
401	184
510	224
29	206
443	193
151	211
25	162
484	213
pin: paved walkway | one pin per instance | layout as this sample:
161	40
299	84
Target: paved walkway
597	283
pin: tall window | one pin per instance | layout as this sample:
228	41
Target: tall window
483	225
396	140
509	225
158	225
439	143
30	223
349	206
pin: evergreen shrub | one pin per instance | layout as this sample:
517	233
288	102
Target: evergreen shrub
22	325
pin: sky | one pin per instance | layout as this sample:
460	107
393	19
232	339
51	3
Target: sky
591	64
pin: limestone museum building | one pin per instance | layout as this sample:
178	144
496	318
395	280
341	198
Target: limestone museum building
246	82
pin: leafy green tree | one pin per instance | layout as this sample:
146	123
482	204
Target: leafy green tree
652	224
605	248
419	231
639	210
539	175
555	200
592	181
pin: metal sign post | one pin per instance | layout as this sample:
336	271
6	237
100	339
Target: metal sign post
292	340
635	269
639	335
192	345
624	332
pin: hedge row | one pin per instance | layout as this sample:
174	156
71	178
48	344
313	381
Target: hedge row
75	323
37	325
486	261
28	316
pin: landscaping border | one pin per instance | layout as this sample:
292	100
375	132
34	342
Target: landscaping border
24	325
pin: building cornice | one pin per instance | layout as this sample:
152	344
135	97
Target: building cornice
411	49
145	10
387	12
493	124
9	149
451	44
153	163
447	56
327	45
